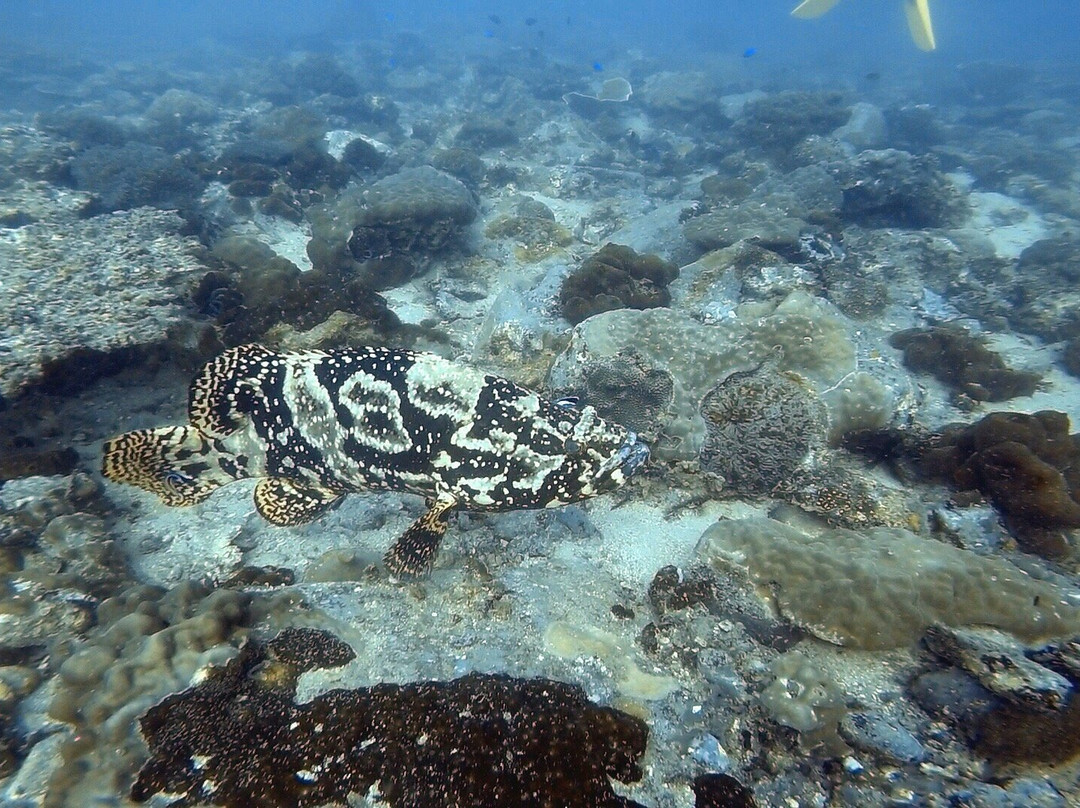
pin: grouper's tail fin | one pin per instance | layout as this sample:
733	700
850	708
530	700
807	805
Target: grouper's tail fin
177	463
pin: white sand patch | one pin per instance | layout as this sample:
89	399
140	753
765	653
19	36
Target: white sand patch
1008	224
639	538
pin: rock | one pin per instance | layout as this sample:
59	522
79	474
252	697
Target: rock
85	298
865	128
883	737
998	662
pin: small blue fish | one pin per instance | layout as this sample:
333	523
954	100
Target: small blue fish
489	34
746	54
598	67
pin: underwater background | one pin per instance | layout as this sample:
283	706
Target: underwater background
791	518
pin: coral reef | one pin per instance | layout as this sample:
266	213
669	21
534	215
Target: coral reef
147	643
616	277
963	362
776	123
464	164
1043	288
535	232
760	426
812	337
482	132
133	175
56	327
769	228
882	588
1010	704
625	389
803	697
481	740
261	291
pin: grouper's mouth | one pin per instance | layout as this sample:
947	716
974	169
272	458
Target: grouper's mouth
630	457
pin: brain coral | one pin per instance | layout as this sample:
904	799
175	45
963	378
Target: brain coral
760	425
627	390
882	588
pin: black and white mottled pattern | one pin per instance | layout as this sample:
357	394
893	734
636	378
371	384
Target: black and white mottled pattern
314	426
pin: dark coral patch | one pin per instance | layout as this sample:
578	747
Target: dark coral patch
721	791
239	739
1028	466
616	277
956	358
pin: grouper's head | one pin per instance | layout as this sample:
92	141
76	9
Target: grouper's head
599	456
178	463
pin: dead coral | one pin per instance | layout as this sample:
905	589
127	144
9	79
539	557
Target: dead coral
956	358
616	277
481	740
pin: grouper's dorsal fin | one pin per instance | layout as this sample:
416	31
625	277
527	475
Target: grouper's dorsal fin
287	503
216	394
178	463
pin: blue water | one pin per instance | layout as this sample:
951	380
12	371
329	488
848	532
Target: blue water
856	33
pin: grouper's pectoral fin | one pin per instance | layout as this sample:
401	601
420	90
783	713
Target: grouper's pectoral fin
918	20
413	553
287	503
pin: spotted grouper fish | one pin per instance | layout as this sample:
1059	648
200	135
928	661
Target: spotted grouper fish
313	426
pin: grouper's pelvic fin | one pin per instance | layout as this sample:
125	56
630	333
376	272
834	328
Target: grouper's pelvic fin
178	463
918	20
412	554
287	503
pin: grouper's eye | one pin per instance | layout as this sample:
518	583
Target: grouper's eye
176	480
572	447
